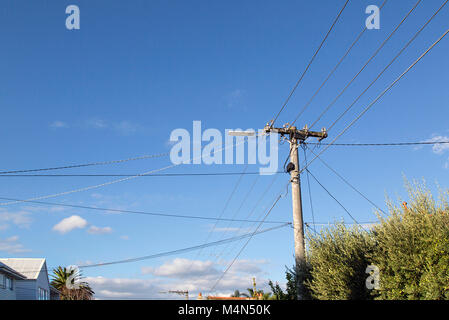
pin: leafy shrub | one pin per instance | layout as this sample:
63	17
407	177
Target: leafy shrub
410	246
338	260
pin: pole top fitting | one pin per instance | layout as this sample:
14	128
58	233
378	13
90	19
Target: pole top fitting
324	134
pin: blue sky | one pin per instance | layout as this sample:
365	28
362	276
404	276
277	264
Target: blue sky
117	88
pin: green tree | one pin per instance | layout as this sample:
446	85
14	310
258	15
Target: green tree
306	276
290	291
412	247
253	294
256	294
338	260
77	290
277	292
409	246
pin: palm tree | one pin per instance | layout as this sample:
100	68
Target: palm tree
259	294
68	282
253	294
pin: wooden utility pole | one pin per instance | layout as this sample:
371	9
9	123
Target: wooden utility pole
254	288
295	137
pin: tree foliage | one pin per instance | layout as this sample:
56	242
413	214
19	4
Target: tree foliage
290	291
412	247
338	260
409	246
77	289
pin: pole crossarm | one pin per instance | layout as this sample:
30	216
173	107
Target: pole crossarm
294	133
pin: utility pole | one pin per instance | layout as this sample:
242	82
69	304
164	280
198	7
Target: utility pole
298	223
295	137
254	288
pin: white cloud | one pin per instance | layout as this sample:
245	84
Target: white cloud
56	209
182	268
96	123
439	148
58	124
122	288
232	231
199	276
123	127
70	223
124	237
99	230
129	288
127	127
249	266
19	218
11	245
182	274
84	263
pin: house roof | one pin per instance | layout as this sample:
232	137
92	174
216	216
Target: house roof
4	268
29	267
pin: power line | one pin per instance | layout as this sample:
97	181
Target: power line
221	214
310	62
179	251
366	64
240	207
262	196
333	71
332	196
380	144
169	215
118	180
312	229
246	243
345	223
173	252
308	186
369	106
388	66
140	175
347	182
307	224
6	174
380	74
380	96
88	164
89	187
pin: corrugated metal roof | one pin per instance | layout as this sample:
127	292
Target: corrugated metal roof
29	267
